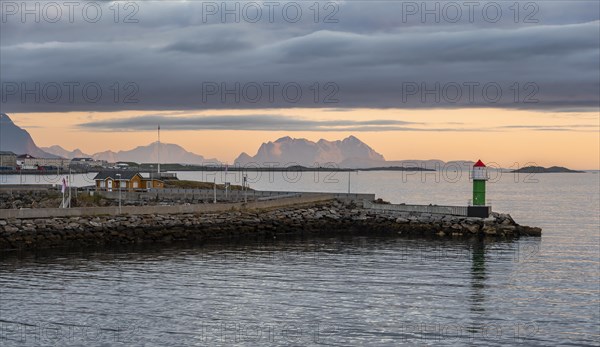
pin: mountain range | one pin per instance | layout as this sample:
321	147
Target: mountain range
169	152
286	151
350	153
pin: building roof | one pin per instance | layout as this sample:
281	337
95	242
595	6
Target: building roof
82	159
126	175
7	153
479	163
26	156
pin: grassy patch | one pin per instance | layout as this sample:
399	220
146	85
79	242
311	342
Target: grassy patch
198	185
84	200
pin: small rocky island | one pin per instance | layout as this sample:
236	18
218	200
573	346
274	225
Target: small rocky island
541	169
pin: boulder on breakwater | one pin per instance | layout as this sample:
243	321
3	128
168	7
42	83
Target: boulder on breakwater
323	218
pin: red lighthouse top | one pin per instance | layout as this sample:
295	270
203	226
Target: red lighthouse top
479	163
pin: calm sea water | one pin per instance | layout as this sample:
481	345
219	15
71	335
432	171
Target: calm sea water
331	291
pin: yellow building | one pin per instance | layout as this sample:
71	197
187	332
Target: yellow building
125	180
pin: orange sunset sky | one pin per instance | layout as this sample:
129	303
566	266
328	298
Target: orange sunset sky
502	136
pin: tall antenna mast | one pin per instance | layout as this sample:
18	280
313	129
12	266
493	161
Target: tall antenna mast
159	151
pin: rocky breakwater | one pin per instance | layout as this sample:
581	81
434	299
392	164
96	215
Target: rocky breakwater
325	218
29	199
52	198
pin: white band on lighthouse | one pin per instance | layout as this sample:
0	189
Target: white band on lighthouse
480	173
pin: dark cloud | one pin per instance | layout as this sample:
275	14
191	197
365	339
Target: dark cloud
212	47
248	122
258	122
370	58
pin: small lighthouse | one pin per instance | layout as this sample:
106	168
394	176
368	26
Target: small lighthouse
480	176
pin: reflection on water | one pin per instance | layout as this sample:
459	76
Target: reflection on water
337	291
477	276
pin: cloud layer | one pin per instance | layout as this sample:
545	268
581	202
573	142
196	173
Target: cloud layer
179	56
248	122
258	122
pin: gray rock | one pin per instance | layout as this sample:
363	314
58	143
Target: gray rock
10	229
509	228
489	230
472	228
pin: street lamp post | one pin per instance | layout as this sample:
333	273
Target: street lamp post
119	180
349	181
215	191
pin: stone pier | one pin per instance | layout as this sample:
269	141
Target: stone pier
305	217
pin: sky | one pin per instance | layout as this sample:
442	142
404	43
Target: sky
414	80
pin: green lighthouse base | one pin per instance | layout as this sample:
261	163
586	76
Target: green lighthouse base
479	211
478	192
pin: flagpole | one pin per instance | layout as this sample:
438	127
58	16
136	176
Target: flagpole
244	183
63	189
69	182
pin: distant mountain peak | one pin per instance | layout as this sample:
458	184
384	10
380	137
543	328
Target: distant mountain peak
16	139
4	118
284	139
300	151
169	153
61	152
